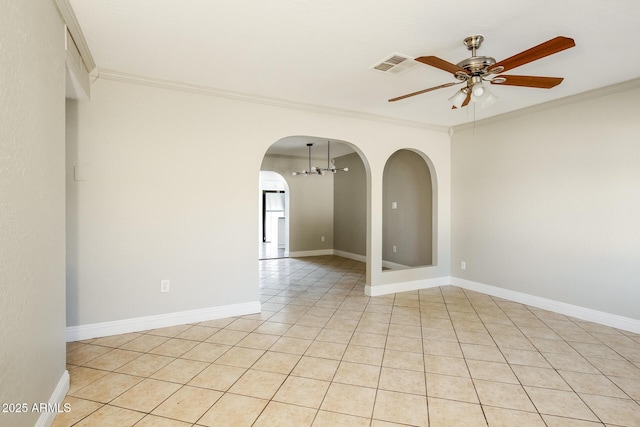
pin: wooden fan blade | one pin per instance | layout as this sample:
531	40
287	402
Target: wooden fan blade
547	48
441	64
465	103
530	81
423	91
467	99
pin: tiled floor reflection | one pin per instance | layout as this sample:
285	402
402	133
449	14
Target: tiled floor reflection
324	354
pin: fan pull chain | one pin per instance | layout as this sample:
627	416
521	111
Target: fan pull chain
474	118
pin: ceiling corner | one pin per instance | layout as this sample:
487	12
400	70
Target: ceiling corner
69	18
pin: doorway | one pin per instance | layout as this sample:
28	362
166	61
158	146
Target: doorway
273	239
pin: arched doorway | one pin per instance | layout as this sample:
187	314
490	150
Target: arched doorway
273	234
327	212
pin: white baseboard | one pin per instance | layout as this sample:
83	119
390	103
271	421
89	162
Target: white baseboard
391	288
590	315
349	255
55	402
587	314
317	252
116	327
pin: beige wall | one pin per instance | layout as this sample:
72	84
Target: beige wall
172	193
311	204
350	206
548	203
32	221
408	227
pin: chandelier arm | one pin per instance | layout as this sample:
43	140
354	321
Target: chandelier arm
328	153
313	170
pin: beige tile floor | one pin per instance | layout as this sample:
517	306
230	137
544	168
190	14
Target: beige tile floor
323	354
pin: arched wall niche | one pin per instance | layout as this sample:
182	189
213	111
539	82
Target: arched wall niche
409	211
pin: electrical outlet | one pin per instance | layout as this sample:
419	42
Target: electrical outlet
463	265
395	248
164	285
322	238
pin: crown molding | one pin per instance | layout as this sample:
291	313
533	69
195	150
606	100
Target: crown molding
257	99
567	100
70	20
209	91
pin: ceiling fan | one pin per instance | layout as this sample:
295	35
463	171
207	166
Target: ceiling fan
478	69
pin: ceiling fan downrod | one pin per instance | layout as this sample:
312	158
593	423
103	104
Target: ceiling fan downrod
476	65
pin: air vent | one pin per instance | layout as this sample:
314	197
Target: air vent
396	63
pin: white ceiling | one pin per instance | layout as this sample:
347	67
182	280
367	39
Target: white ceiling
297	146
320	52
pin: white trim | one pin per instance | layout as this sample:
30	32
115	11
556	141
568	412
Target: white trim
567	100
70	20
321	252
210	91
590	315
349	255
587	314
57	398
318	252
116	327
391	288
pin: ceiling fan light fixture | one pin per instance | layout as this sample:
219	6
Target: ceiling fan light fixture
488	100
477	89
458	98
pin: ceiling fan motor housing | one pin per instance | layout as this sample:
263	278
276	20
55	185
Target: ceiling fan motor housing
476	65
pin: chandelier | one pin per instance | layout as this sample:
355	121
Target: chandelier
314	170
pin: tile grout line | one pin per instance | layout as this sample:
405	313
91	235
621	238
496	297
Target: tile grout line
340	284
